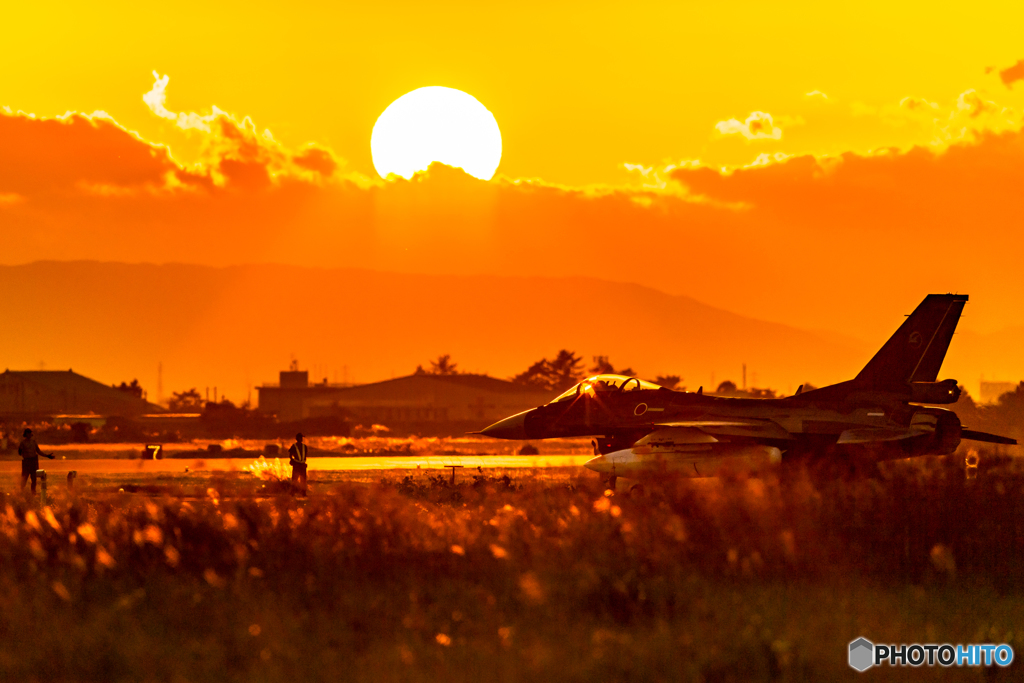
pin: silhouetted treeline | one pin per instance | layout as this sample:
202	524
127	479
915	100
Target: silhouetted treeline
1004	417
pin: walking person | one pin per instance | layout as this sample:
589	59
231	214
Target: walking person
297	459
29	452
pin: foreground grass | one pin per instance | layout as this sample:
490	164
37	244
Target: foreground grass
532	578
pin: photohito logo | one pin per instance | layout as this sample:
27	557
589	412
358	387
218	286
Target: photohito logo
861	654
864	654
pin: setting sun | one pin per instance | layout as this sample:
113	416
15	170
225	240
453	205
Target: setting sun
436	124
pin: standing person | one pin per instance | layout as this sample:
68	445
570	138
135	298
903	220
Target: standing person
29	452
297	459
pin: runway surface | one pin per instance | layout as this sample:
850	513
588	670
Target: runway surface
328	464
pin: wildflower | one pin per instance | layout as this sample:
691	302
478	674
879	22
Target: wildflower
105	559
458	550
498	552
50	519
151	534
61	591
788	544
213	579
32	521
87	532
443	639
172	556
505	634
36	548
532	590
942	560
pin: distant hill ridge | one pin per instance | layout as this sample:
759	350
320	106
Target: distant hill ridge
236	327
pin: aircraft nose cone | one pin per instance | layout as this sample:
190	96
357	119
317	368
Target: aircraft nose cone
600	463
509	428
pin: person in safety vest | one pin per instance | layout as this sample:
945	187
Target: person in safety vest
29	451
297	459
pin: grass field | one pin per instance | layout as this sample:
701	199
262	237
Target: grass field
538	577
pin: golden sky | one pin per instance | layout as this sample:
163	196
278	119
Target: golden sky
809	163
577	88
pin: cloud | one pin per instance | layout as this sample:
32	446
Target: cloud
1012	74
156	98
972	104
92	155
816	93
758	126
778	238
56	156
918	104
315	159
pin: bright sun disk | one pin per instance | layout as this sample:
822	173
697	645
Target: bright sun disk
436	124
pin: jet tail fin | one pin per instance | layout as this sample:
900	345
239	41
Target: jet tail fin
915	353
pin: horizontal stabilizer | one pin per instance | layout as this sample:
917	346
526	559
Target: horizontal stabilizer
987	438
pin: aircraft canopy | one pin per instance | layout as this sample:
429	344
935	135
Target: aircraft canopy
600	383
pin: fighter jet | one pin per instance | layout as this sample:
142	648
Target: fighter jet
887	411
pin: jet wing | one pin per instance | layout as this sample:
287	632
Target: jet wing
878	434
986	437
758	429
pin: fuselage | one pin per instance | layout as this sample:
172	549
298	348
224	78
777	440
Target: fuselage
640	427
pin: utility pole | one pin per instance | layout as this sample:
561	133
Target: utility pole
744	377
160	382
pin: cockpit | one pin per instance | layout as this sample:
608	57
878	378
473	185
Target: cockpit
607	383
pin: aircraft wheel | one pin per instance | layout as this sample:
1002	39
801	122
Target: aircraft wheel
636	490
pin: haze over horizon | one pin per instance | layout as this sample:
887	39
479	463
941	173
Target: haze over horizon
235	328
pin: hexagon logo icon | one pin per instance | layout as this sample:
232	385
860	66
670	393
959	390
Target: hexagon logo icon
862	653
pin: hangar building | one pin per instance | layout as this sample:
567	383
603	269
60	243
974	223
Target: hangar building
46	393
419	398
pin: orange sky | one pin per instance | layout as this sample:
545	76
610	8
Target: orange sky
787	162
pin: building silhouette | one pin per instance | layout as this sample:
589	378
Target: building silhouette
46	393
414	399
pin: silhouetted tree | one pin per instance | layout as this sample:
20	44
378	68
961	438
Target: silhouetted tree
186	401
134	388
443	366
726	387
602	366
1012	400
669	381
557	374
